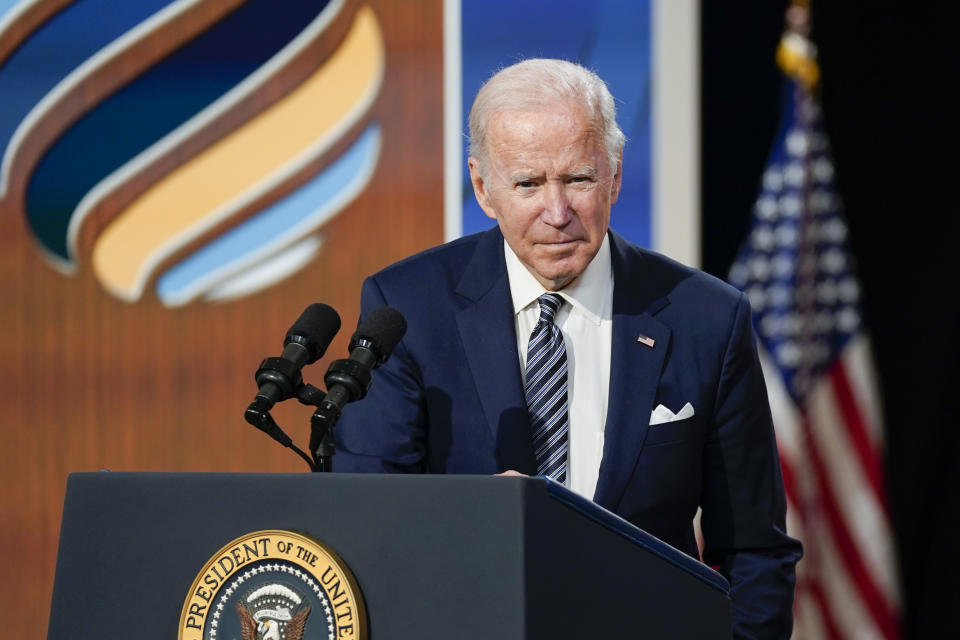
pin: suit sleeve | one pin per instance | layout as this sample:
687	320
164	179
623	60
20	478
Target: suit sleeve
386	431
744	508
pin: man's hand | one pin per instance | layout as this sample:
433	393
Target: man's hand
511	472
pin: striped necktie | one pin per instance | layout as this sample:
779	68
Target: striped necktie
546	391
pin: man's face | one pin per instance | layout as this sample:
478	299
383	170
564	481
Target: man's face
549	185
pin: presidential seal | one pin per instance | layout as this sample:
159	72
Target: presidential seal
274	585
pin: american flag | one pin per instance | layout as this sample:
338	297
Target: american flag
797	270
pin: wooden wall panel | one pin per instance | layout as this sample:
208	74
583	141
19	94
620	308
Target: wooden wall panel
94	383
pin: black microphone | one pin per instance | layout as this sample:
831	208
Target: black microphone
305	342
370	346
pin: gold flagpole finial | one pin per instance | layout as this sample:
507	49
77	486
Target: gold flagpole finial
797	55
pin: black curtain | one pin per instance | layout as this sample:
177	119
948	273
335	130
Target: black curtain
886	69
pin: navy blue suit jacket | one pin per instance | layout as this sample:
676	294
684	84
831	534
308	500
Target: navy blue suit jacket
450	400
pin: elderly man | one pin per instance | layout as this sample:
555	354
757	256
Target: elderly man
551	345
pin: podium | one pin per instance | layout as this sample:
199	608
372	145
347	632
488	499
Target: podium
453	557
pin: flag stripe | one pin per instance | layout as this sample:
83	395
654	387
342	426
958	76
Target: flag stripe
866	451
823	588
849	553
810	582
859	364
842	592
830	628
859	506
789	481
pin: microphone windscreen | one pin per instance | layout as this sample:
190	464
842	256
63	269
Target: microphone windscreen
383	327
315	329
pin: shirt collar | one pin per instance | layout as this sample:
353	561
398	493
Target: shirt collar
591	293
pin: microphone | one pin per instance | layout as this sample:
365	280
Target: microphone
305	342
370	346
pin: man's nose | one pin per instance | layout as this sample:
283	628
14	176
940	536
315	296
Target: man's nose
556	205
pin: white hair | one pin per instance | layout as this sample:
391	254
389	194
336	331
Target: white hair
529	85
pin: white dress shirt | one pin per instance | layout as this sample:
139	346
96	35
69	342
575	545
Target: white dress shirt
586	322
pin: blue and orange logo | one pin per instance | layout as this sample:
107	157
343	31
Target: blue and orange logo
196	146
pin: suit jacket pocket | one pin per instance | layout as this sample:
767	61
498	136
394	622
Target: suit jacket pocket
670	432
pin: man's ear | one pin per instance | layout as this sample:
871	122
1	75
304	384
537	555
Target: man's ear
617	178
480	188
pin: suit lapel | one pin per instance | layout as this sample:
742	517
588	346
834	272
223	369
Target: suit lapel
635	370
486	328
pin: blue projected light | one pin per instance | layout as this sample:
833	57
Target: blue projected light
607	36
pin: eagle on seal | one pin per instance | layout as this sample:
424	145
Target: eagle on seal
270	629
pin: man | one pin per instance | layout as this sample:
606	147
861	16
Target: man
643	389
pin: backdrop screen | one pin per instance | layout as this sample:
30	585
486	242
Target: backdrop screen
608	36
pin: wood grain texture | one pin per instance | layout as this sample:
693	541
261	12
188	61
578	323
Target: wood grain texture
94	383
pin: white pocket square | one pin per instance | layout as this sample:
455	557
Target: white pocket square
661	414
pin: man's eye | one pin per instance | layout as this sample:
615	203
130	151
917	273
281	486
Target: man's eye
526	184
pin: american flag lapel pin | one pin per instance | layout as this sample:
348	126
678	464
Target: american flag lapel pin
646	340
